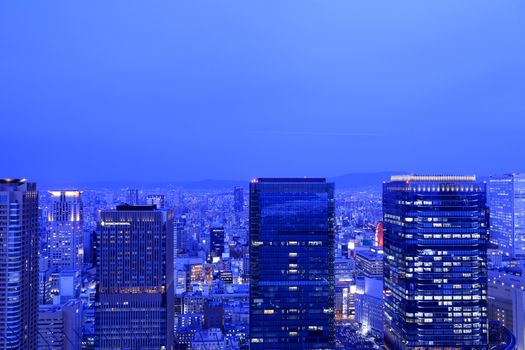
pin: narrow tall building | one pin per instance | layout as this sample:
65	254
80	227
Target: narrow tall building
238	199
132	196
292	264
66	229
65	241
506	200
435	274
18	264
135	297
216	244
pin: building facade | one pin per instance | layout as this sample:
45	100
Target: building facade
506	200
216	244
19	242
65	225
132	196
156	199
292	264
238	199
506	302
435	274
135	296
60	326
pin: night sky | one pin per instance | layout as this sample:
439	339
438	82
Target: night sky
191	90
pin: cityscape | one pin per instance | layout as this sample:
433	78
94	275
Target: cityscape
426	262
262	175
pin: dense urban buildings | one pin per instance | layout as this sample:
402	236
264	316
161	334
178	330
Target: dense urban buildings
435	274
506	199
135	296
18	264
292	229
211	272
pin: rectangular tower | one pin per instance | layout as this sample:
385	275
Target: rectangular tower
156	199
132	196
216	244
435	274
134	301
292	263
65	225
238	199
506	200
18	264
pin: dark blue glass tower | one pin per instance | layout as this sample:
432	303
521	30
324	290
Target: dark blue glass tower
216	244
292	264
435	275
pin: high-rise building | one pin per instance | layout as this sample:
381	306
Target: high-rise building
369	305
156	199
132	196
435	274
181	236
135	296
507	301
369	262
18	264
216	244
506	200
292	263
238	199
369	290
65	240
60	326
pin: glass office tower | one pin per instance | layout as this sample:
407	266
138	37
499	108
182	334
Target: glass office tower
435	275
216	244
506	200
291	264
135	297
18	264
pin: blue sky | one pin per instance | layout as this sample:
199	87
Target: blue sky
187	90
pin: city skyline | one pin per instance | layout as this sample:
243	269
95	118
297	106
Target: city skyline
295	262
262	175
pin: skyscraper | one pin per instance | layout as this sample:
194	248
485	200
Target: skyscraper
132	196
65	239
238	199
135	297
216	244
292	263
60	326
435	274
506	200
18	264
156	199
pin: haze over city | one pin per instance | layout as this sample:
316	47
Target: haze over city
231	90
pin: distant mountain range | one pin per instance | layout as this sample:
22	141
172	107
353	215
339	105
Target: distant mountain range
353	180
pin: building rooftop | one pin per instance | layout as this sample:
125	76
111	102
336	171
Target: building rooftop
128	207
432	178
289	179
12	181
67	193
